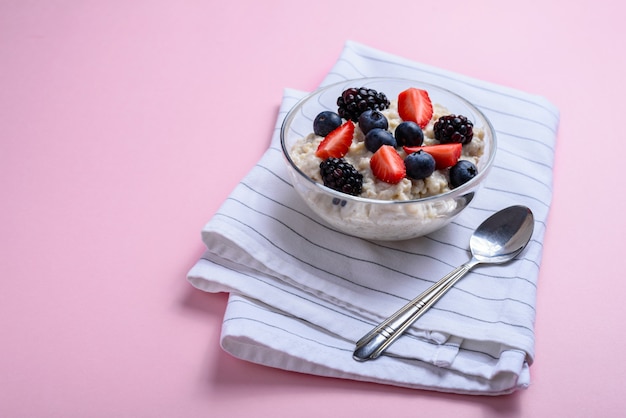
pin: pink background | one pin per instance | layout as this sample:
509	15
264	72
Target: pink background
113	156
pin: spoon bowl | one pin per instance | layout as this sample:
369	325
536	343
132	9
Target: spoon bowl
503	235
500	238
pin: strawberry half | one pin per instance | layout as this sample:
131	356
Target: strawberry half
445	155
337	142
387	165
414	105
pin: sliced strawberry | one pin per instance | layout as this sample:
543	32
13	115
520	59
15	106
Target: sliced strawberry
445	155
337	142
414	105
387	165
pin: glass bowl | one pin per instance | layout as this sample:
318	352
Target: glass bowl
373	218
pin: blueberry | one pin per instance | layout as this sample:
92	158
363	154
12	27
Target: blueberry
462	172
419	165
378	137
410	134
326	122
371	119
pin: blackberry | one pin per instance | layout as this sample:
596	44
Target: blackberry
454	128
354	101
341	176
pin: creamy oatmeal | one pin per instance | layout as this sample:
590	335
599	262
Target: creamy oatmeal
303	155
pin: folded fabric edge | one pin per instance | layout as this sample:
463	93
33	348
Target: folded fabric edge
387	371
246	335
289	363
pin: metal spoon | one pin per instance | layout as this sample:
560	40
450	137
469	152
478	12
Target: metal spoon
499	239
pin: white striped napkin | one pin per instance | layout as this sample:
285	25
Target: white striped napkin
302	294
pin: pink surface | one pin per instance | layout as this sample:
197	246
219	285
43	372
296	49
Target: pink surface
114	153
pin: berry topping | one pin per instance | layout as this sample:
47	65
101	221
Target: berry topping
341	176
387	165
414	105
453	128
377	137
462	172
409	134
337	142
445	155
371	119
354	101
419	165
326	122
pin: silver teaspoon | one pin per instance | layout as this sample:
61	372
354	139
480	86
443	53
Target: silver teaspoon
499	239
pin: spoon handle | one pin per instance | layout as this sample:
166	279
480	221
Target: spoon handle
375	342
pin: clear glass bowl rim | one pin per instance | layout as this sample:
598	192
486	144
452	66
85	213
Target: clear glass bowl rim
357	82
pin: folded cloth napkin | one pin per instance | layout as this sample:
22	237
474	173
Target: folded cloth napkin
302	294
